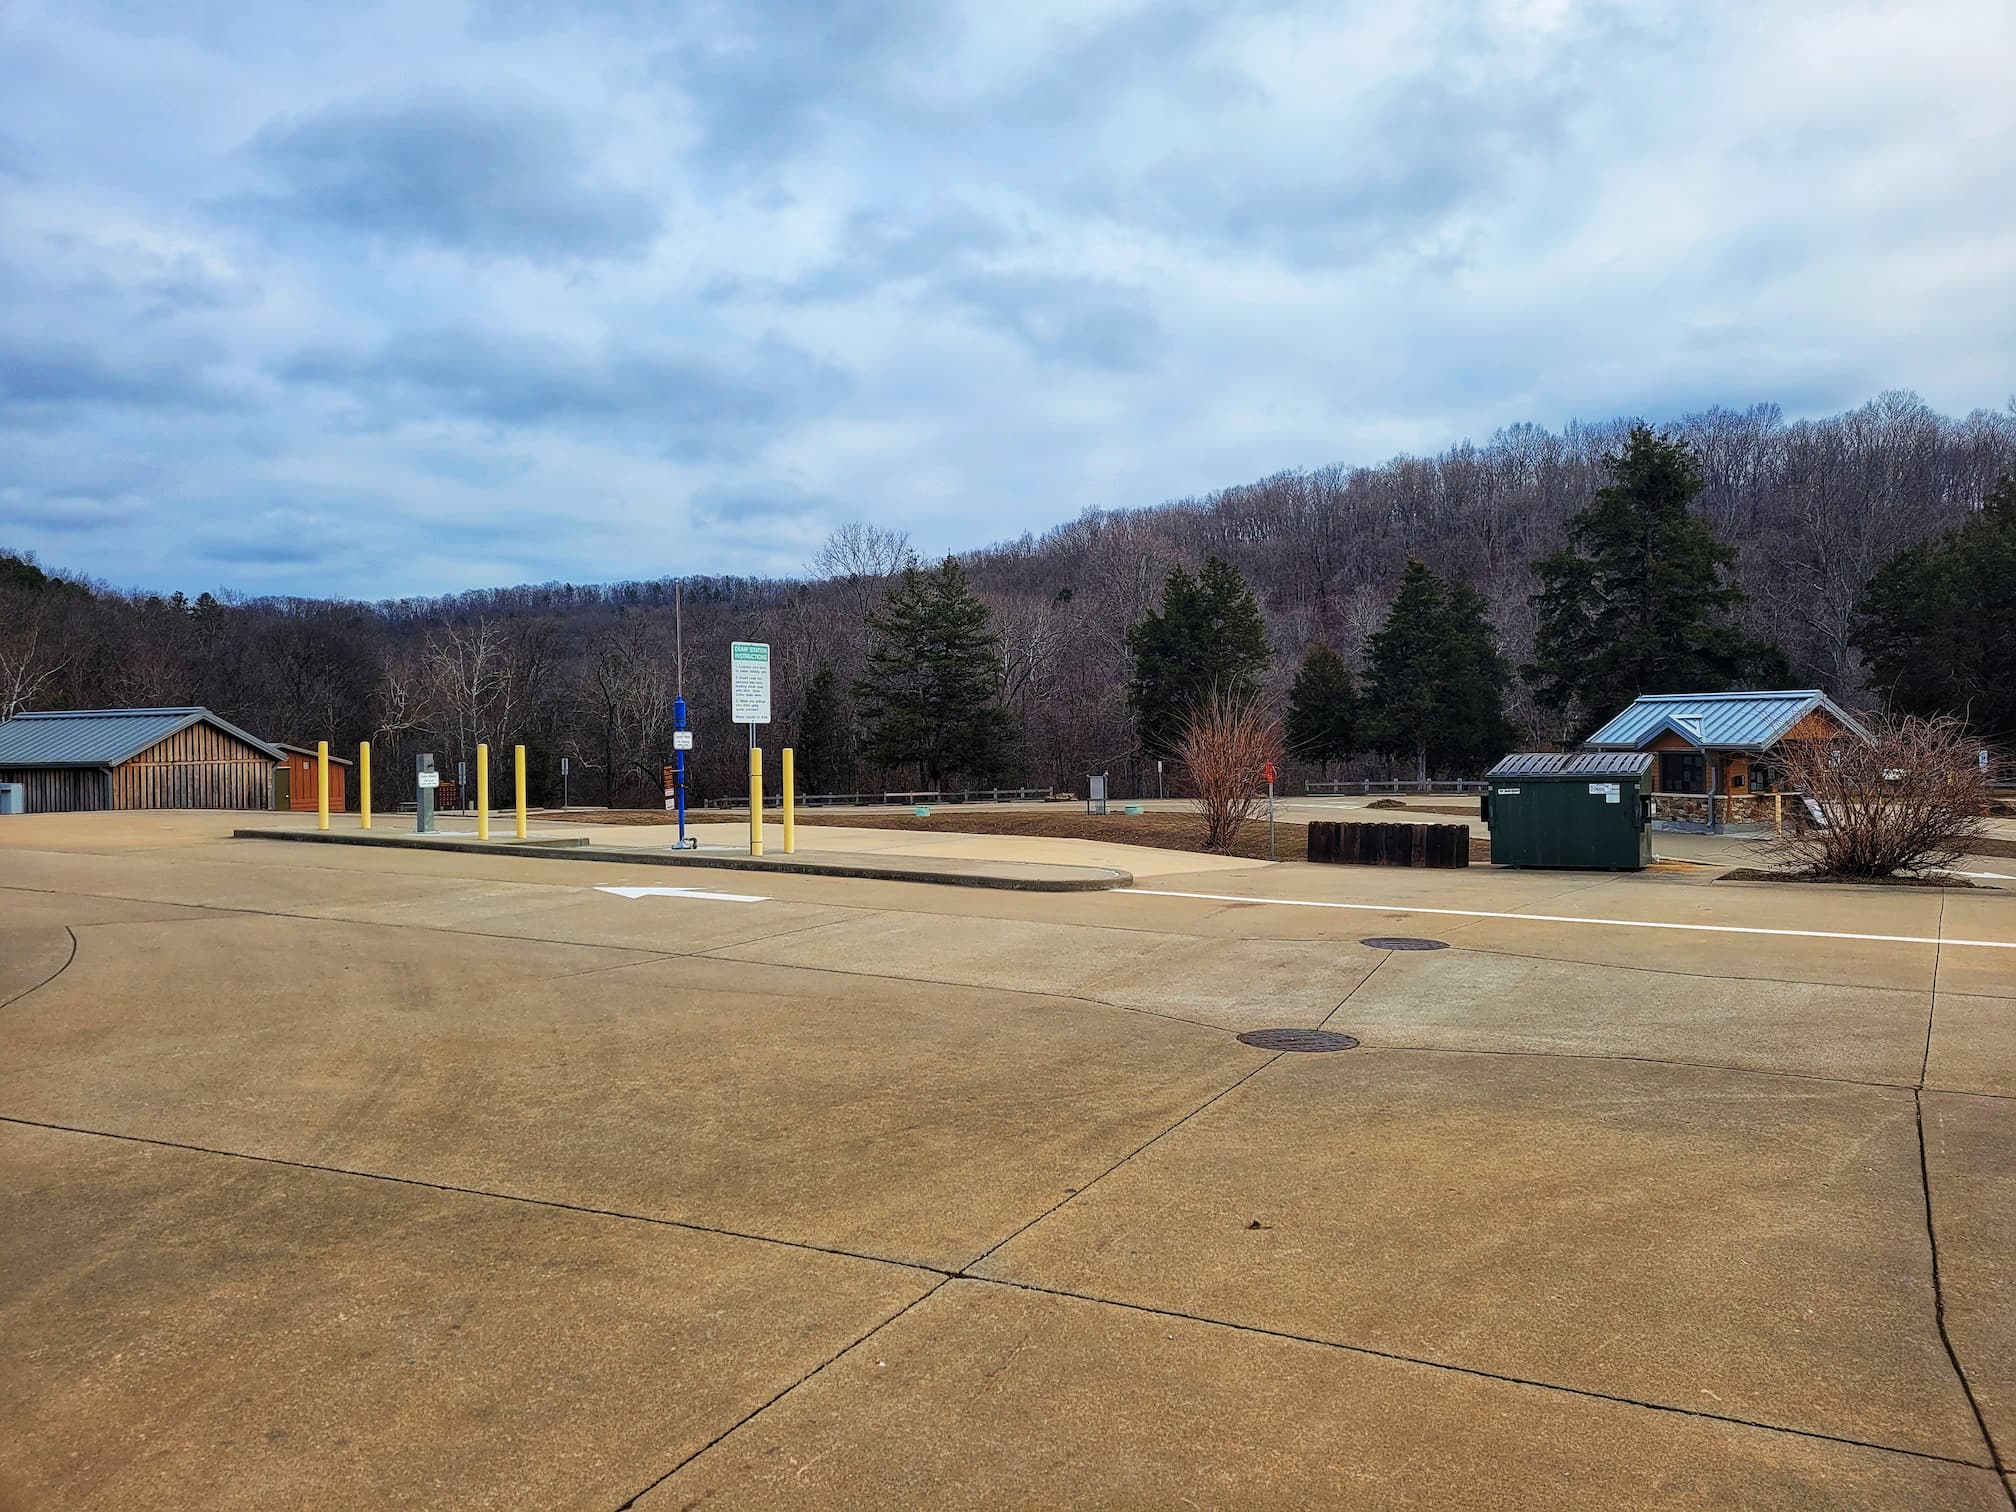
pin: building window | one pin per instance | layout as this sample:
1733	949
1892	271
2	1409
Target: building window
1682	772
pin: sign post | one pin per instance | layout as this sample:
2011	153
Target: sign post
1269	772
425	780
563	782
682	742
749	697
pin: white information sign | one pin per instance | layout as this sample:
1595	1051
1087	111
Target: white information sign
430	779
682	740
1609	792
749	682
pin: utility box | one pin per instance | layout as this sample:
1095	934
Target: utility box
1583	810
13	797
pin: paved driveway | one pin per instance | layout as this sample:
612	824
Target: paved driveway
363	1178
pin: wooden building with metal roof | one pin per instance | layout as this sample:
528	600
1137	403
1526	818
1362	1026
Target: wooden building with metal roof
82	759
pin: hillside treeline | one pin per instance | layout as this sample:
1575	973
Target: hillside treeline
1814	509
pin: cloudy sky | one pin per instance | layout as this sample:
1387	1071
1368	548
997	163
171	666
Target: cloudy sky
375	299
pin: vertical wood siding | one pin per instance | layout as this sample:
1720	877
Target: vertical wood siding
62	790
301	791
199	767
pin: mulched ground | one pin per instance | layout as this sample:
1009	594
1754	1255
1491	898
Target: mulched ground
1752	874
1159	830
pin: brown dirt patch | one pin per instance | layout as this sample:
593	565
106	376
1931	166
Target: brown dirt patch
1753	874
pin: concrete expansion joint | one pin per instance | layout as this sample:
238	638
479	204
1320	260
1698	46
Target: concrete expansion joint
38	986
2000	1464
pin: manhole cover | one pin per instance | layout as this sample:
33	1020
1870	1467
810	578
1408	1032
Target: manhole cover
1297	1039
1403	942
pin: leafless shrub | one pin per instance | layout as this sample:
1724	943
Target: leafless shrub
1227	743
1909	801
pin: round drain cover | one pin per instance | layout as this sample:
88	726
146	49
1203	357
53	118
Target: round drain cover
1297	1039
1403	942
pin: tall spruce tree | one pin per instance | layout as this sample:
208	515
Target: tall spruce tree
1435	679
928	696
1939	622
826	746
1641	599
1207	635
1322	709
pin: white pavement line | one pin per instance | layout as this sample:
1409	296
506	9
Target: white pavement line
1530	918
684	892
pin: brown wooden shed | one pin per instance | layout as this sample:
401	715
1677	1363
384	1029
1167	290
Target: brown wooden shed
296	777
81	759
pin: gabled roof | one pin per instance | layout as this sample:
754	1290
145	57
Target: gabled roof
1727	721
1575	764
309	752
102	737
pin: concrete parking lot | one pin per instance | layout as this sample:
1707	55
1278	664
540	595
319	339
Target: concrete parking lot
336	1177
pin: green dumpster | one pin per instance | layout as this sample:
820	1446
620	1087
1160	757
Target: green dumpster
1588	810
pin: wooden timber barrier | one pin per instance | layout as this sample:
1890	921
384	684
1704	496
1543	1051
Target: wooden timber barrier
1389	844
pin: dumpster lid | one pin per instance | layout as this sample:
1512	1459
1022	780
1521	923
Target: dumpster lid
1574	764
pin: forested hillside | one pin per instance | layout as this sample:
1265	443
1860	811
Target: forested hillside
1814	509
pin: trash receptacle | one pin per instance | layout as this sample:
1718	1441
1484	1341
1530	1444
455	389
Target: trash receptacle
1584	810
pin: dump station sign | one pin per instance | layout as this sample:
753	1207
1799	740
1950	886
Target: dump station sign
749	682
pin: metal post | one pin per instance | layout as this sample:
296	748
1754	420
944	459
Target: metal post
519	762
423	800
1270	818
482	791
790	812
679	756
321	784
755	796
364	784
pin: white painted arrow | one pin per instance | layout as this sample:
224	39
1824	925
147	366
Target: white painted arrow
683	892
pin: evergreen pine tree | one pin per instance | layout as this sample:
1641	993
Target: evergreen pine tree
1939	622
1322	709
1435	679
826	748
1208	635
934	670
1641	599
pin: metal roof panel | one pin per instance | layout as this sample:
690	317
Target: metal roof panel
101	737
1573	764
1727	720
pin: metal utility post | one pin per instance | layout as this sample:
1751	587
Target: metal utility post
425	780
518	797
1270	810
563	782
682	742
790	777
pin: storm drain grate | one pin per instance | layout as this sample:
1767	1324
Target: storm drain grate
1306	1040
1403	942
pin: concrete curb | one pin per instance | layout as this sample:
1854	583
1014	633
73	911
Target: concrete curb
1086	878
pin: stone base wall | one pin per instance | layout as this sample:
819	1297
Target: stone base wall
1730	808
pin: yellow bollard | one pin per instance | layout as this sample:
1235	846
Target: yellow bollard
790	808
364	784
755	800
519	758
483	792
321	784
1778	811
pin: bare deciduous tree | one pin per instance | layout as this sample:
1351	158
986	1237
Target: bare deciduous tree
1910	800
1226	746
